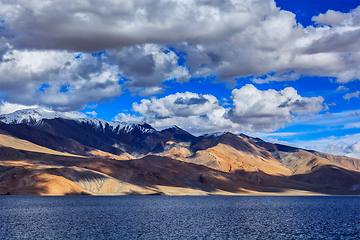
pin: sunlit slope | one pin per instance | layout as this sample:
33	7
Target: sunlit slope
171	161
22	178
300	161
45	174
33	178
227	153
230	153
56	175
228	159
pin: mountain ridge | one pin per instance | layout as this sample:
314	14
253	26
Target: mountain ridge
135	158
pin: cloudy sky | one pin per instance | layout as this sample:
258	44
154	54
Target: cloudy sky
286	71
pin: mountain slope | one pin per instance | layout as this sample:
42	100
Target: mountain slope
37	155
45	139
228	159
50	174
6	140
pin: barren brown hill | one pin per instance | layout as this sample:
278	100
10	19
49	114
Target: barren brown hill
25	172
300	161
172	161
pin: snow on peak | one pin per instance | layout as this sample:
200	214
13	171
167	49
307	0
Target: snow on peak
116	126
34	117
30	116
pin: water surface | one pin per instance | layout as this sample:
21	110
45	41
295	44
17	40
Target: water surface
185	217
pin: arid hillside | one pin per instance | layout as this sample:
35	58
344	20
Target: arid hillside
64	156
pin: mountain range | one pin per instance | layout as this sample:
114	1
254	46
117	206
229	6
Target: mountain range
48	153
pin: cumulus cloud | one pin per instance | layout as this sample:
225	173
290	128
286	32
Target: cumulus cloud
147	43
180	104
270	109
59	80
348	96
97	25
147	66
331	18
194	112
343	148
251	110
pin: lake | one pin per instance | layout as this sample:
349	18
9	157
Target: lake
180	217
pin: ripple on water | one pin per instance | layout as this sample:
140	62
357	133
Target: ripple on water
182	217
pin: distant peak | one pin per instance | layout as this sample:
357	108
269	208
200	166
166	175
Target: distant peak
116	126
35	116
28	116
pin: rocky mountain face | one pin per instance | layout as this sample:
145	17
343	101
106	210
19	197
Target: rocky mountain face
49	153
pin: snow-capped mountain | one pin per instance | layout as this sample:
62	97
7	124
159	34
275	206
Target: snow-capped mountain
222	161
34	117
116	126
30	116
49	128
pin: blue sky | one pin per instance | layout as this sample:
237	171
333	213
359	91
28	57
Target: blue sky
286	71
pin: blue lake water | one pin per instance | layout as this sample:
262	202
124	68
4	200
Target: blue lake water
175	217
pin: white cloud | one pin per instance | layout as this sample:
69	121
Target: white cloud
57	79
92	106
191	111
147	66
151	91
92	113
61	24
348	96
74	114
277	77
6	108
252	110
123	117
342	88
345	149
180	104
227	39
269	110
332	18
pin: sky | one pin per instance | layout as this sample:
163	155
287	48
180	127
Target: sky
285	71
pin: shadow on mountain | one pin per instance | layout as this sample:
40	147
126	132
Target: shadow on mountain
154	170
151	171
44	139
331	180
23	172
325	180
18	181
